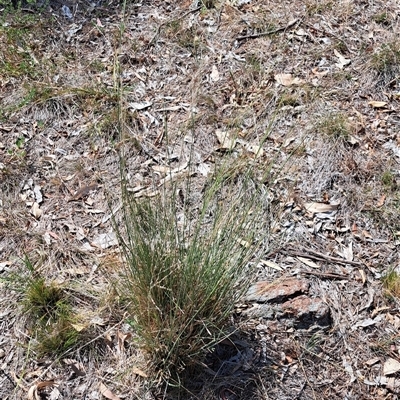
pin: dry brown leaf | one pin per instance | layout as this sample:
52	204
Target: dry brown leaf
315	207
271	264
372	361
36	211
44	384
83	191
366	234
308	262
377	104
33	390
381	201
161	168
288	80
32	395
107	393
318	73
214	74
53	235
378	310
342	60
139	372
121	337
391	366
363	276
226	142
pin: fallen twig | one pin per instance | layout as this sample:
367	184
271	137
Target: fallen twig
314	255
326	275
257	35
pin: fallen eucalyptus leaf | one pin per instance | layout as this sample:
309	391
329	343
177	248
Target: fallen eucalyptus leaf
308	262
107	393
226	142
315	207
36	211
288	80
140	106
214	74
377	104
391	366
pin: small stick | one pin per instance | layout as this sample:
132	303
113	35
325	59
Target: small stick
326	275
256	35
308	253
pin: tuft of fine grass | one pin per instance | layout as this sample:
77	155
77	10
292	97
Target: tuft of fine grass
382	18
186	264
335	125
42	299
57	339
391	283
49	312
388	180
385	61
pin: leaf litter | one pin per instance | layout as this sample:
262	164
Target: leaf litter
238	70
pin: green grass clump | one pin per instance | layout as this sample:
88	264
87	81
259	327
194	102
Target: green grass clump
391	283
17	58
388	180
57	339
335	125
49	312
382	18
386	60
186	255
43	300
314	7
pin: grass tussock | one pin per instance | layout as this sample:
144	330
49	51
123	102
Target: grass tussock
185	265
385	61
335	126
391	283
49	312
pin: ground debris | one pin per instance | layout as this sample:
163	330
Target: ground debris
307	91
